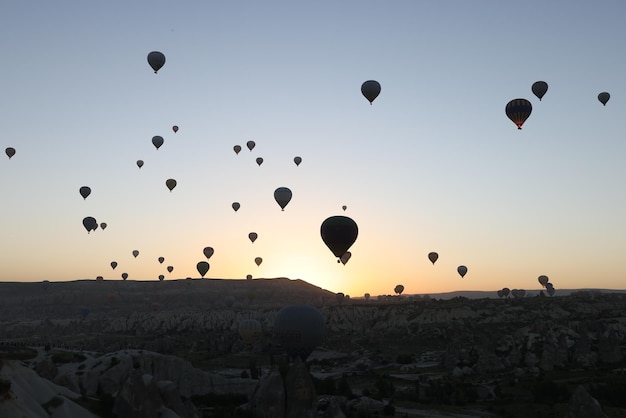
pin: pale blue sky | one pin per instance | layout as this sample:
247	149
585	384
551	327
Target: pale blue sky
433	165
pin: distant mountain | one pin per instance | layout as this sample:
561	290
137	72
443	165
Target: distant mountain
481	294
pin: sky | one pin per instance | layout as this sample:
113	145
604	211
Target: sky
433	164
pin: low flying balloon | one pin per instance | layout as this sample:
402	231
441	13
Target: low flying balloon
259	161
370	89
345	257
506	291
124	276
208	252
156	60
299	329
339	233
135	253
248	277
253	236
258	261
539	89
236	206
282	195
170	183
543	280
90	223
170	269
157	141
433	257
103	225
161	277
113	265
202	267
161	260
297	160
139	163
175	128
237	149
10	152
84	191
604	97
518	110
462	270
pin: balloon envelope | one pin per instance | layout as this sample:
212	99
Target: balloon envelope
370	89
156	60
236	206
299	329
139	163
253	236
282	195
344	207
170	269
84	191
175	128
202	267
157	141
518	110
543	280
103	225
10	152
250	145
161	260
433	257
462	270
259	161
339	233
208	252
258	261
124	276
604	97
297	160
237	149
113	264
539	89
90	223
170	183
135	253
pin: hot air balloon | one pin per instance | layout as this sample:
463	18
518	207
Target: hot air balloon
170	269
433	256
84	191
258	261
398	289
139	163
344	207
237	149
135	253
248	277
170	183
124	276
161	260
539	88
161	277
550	289
175	128
518	110
506	291
250	330
208	252
99	279
113	264
10	152
604	97
253	236
157	141
236	206
297	160
339	233
202	267
500	293
90	223
103	225
299	329
462	270
250	145
345	257
259	161
370	89
156	60
282	195
543	280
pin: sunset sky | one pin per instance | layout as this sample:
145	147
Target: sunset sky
433	165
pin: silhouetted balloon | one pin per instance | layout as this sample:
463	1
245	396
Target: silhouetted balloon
259	161
236	206
208	252
518	110
99	279
250	330
370	89
398	289
10	152
249	277
170	269
433	256
103	225
604	97
258	261
506	291
170	183
202	267
297	160
282	195
462	270
161	260
543	280
250	145
500	293
237	149
124	276
253	236
135	253
344	207
157	141
113	264
161	277
90	223
539	88
345	257
84	191
299	329
175	128
156	60
339	233
139	163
